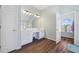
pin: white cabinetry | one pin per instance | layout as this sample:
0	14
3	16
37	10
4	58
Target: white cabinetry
26	36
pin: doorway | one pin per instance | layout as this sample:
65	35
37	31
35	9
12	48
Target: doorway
67	26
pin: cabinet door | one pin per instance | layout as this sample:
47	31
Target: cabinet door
26	36
76	28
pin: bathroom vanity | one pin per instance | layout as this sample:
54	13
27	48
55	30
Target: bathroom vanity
28	34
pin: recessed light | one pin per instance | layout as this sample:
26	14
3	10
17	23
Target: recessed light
30	13
36	15
24	11
27	13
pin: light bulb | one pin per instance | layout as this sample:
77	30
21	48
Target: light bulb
30	13
24	12
36	15
27	13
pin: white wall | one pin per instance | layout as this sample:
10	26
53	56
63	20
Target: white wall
47	21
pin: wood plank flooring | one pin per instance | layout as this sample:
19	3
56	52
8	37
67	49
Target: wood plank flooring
46	46
38	46
61	47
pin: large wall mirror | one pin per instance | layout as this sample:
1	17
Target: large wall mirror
29	16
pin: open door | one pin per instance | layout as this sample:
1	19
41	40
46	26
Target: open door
58	28
76	28
0	28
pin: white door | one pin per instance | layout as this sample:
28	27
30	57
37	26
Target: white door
58	27
0	27
76	28
10	20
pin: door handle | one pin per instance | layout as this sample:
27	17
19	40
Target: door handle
0	26
13	30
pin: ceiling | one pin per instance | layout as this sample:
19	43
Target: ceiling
68	8
62	8
41	7
38	9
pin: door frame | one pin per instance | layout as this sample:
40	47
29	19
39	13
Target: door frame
58	28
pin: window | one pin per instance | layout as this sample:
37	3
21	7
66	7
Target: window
67	25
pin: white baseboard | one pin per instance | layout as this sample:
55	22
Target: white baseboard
50	38
19	47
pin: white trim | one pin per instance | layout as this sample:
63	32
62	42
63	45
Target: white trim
75	18
50	38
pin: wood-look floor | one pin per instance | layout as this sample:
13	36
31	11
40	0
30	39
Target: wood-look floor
61	47
46	46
